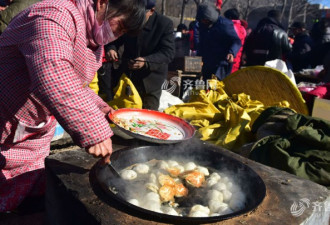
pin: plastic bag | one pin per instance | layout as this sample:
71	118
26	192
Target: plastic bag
94	84
281	66
126	95
167	100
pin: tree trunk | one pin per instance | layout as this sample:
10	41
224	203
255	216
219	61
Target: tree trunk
163	7
184	2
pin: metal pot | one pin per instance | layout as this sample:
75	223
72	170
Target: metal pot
204	154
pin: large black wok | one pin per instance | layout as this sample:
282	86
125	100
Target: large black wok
203	154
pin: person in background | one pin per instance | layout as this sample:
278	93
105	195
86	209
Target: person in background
218	4
268	41
182	47
303	44
146	57
233	15
326	64
196	36
218	42
182	44
105	75
320	34
192	25
10	8
49	53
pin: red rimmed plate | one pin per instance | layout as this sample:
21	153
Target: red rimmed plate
152	126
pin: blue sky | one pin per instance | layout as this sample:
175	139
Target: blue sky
325	2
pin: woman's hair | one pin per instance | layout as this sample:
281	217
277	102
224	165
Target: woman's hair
134	12
232	14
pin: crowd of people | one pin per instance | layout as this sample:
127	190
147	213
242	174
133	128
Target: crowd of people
51	50
298	47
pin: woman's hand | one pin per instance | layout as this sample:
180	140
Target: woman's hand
107	109
102	149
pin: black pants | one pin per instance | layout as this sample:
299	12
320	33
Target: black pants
108	79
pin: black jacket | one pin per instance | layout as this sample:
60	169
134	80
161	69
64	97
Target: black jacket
267	42
303	43
156	44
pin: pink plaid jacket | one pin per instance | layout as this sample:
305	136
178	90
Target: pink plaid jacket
45	68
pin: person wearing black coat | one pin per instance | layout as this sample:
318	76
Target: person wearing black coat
267	42
303	44
146	57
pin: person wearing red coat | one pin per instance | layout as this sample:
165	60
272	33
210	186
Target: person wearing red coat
240	29
218	4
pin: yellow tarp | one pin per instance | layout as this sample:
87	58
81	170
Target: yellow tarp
126	95
221	119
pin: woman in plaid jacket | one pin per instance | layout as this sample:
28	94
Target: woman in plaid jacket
48	55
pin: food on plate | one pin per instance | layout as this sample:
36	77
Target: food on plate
149	127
